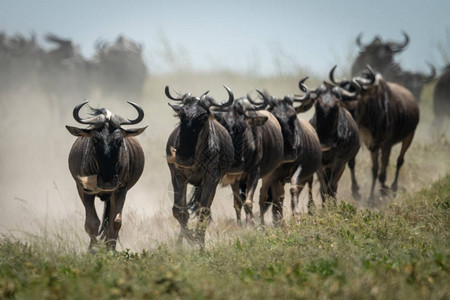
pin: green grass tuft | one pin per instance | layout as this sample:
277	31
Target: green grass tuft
399	251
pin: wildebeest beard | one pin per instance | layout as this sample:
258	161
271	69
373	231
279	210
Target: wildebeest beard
108	144
190	130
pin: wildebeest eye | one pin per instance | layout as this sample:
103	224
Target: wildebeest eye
96	137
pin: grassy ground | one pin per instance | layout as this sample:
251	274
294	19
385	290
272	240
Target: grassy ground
400	251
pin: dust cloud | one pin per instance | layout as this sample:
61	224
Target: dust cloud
38	194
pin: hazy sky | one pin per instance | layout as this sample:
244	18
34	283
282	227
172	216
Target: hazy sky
258	36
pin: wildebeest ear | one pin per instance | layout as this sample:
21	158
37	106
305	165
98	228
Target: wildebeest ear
134	131
79	131
176	108
304	106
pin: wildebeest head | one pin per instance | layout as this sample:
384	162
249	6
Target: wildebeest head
415	81
107	142
194	113
328	99
378	54
285	112
240	119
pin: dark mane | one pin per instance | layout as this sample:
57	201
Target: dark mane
96	111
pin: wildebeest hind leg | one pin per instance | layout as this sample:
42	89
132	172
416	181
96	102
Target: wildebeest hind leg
405	145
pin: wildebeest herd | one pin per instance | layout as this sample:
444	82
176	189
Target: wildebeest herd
236	142
116	68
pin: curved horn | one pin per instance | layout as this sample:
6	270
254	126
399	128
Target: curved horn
168	95
430	77
358	41
90	121
363	81
397	47
266	98
345	91
204	95
304	89
331	76
139	118
257	105
210	101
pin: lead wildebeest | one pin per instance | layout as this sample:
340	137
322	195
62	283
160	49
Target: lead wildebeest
387	114
199	152
106	160
258	149
338	134
301	158
441	99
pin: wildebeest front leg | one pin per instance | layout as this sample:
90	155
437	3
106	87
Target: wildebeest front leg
263	198
336	175
374	154
278	199
206	199
405	145
252	182
92	221
115	218
385	153
238	201
355	187
295	192
179	209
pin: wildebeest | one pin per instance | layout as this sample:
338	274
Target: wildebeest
415	81
338	134
106	160
441	99
120	67
258	149
199	152
387	114
380	56
301	158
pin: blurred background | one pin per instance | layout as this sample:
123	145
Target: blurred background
56	54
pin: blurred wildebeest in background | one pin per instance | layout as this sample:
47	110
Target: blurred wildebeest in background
199	152
338	134
387	114
105	161
65	72
20	63
120	69
301	159
441	99
380	56
258	149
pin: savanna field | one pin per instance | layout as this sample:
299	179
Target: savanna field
399	249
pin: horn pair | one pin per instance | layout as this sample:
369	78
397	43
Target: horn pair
101	118
204	98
